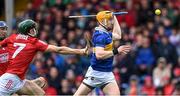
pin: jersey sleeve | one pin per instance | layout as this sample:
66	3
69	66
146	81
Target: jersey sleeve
41	46
100	41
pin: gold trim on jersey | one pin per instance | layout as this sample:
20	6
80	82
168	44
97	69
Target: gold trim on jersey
108	47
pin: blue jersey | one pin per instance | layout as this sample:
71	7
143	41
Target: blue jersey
102	38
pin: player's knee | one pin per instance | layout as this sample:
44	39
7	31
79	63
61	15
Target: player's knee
43	82
36	90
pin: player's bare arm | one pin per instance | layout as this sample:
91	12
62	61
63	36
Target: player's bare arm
102	54
66	50
116	33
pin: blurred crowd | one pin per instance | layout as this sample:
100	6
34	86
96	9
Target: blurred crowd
153	65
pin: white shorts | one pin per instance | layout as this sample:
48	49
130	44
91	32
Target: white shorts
10	83
95	78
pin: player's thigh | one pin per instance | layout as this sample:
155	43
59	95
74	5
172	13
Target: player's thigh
30	88
83	90
111	89
41	82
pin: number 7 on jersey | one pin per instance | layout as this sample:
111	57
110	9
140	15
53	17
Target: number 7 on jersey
21	46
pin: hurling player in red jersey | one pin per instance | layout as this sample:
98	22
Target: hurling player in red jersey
4	56
3	51
22	47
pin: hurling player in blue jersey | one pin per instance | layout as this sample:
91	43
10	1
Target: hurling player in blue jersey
100	73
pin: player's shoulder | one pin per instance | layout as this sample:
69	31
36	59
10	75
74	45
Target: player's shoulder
42	42
33	40
99	33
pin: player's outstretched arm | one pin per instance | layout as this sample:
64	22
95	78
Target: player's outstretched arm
66	50
116	30
102	54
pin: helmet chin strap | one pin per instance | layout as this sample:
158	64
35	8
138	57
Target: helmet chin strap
35	33
108	29
104	25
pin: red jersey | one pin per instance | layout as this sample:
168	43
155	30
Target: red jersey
4	56
22	49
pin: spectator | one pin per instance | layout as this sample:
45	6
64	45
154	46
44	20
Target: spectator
148	88
65	88
175	40
144	57
53	77
133	88
167	50
161	72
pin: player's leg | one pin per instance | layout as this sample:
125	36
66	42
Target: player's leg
30	88
89	83
83	89
41	82
111	89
